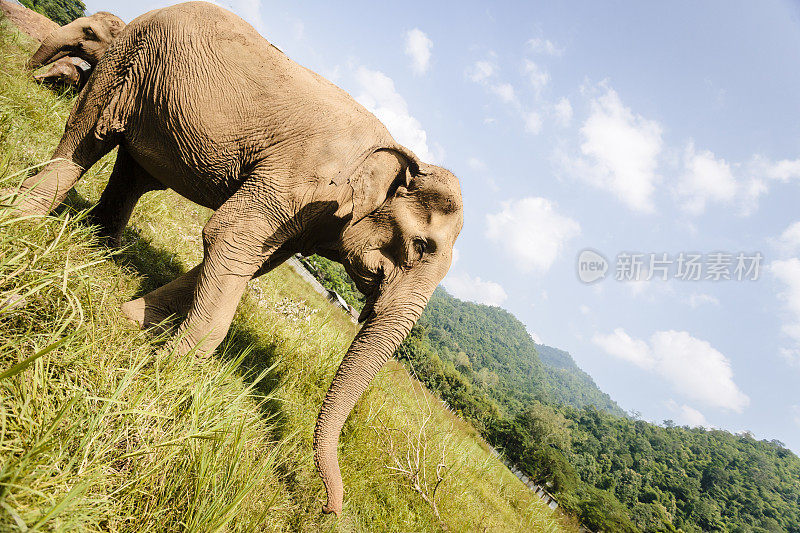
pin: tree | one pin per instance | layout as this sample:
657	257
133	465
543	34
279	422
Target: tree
59	11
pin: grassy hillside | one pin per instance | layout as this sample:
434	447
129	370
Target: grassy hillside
100	430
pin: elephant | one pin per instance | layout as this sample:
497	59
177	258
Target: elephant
66	72
86	38
197	101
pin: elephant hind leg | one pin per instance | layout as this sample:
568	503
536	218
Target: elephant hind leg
94	127
128	182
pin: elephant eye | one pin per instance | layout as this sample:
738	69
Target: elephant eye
420	246
89	32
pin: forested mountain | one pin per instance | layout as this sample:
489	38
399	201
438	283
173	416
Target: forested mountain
612	472
569	385
493	349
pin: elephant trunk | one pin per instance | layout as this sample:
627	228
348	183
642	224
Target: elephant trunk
54	47
396	311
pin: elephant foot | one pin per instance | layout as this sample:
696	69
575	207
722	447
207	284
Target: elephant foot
24	202
148	316
134	311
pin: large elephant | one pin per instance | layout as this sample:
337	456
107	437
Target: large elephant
86	38
199	102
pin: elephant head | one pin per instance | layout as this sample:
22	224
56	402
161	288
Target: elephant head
85	37
397	248
65	72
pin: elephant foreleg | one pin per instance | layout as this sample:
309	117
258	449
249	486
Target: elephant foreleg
128	182
241	236
172	299
175	298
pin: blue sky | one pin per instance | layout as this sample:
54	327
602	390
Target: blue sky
618	126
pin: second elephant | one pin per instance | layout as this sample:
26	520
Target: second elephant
85	38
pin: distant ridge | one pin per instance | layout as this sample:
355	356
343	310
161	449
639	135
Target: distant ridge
494	350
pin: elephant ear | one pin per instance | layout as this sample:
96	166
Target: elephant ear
378	177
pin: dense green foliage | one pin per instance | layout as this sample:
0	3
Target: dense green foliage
569	385
60	11
659	478
333	277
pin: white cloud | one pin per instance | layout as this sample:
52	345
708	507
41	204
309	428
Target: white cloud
697	370
563	112
538	77
789	241
481	71
532	232
790	355
621	152
533	122
544	46
787	271
379	96
750	193
796	414
696	299
484	72
418	48
505	91
762	172
456	257
784	170
705	179
620	345
688	416
476	164
690	365
584	309
462	285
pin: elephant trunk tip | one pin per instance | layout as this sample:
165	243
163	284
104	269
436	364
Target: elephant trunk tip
334	508
334	488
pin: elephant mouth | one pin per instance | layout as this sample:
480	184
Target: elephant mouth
372	294
368	280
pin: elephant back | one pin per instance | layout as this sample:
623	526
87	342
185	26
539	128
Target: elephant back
218	80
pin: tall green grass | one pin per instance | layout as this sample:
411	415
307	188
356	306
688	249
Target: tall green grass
100	430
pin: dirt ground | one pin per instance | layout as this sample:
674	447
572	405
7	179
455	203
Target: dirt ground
34	24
